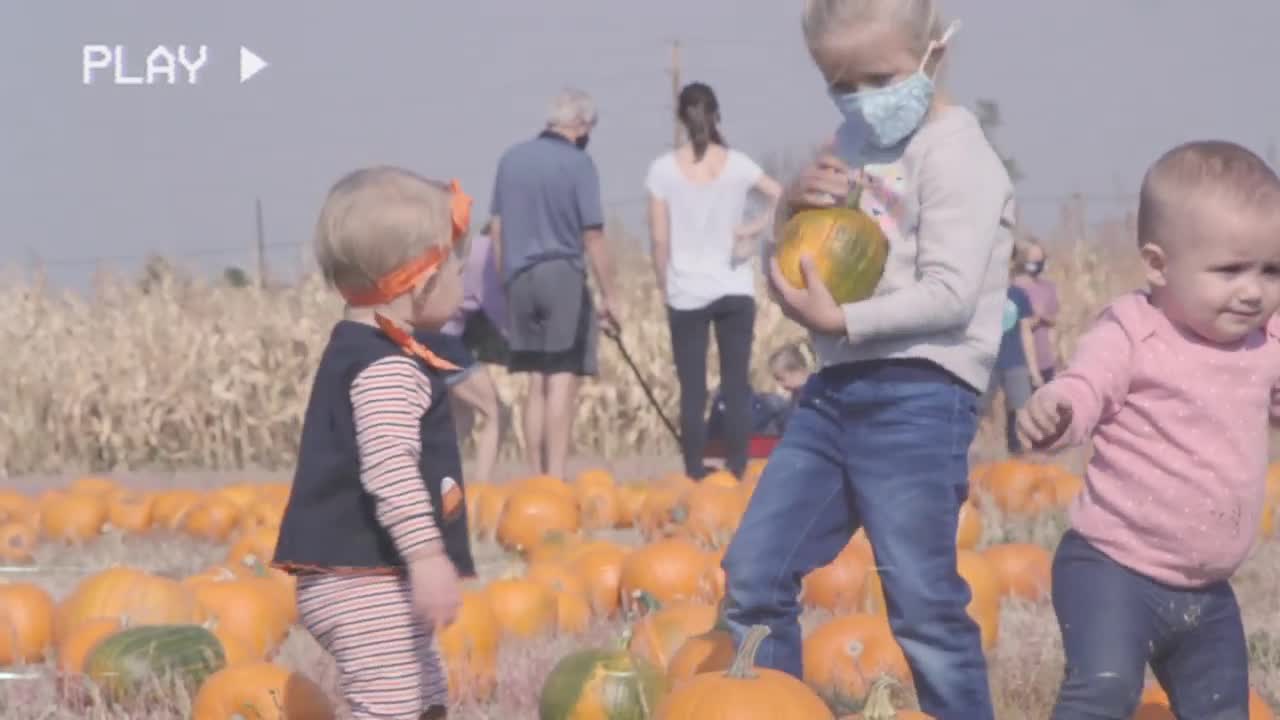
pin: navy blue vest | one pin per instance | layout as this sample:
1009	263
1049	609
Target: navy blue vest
330	521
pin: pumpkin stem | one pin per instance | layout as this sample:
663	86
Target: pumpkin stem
252	562
647	599
879	700
854	201
624	640
745	661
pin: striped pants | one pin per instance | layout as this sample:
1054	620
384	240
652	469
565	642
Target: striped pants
387	663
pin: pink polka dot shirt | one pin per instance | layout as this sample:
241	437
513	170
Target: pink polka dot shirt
1174	488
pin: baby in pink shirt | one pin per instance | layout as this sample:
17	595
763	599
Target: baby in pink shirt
1175	388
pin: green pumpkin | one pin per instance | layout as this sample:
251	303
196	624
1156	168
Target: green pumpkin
848	248
601	685
127	661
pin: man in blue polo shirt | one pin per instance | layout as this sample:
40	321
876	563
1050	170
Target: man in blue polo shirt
547	223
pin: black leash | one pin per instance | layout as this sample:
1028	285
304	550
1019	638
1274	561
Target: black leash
616	337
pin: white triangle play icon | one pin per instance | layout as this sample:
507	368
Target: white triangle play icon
250	63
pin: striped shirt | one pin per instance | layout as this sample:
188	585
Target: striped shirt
389	398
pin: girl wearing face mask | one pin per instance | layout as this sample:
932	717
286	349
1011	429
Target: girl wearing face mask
881	435
1044	304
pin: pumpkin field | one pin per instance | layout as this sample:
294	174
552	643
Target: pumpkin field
146	456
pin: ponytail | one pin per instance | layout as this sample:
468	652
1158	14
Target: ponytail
699	111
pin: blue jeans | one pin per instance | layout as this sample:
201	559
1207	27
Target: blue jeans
1114	621
893	458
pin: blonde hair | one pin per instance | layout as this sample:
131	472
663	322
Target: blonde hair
920	18
571	107
376	219
1200	169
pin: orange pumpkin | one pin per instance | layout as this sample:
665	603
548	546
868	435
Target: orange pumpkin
837	586
171	506
555	546
213	518
91	485
555	576
242	495
469	649
659	635
484	508
712	651
261	513
630	502
1064	486
130	510
969	531
530	514
1019	487
545	483
1024	570
75	645
26	623
600	570
14	506
75	517
247	609
860	546
845	655
654	519
985	587
593	479
601	508
709	513
669	570
721	479
523	608
260	690
573	613
17	542
256	546
743	692
123	592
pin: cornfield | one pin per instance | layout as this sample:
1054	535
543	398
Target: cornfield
176	372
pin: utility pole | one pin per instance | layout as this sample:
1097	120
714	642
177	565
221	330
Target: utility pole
260	244
675	93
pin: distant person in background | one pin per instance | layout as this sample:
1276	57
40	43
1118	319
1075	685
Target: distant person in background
769	411
1044	304
1017	369
547	224
790	369
477	330
702	252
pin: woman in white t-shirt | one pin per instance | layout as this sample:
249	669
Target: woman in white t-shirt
702	251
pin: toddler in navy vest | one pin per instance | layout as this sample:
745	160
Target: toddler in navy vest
376	525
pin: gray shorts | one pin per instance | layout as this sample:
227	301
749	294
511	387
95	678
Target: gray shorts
553	327
1016	383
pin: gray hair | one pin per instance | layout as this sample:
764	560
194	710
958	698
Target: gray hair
571	107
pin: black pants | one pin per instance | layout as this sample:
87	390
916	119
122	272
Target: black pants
734	319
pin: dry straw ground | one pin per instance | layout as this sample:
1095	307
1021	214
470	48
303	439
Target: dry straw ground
188	375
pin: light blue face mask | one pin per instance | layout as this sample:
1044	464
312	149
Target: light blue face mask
892	113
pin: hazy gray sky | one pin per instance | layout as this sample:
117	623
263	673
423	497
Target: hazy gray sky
1091	91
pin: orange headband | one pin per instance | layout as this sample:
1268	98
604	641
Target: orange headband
402	279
